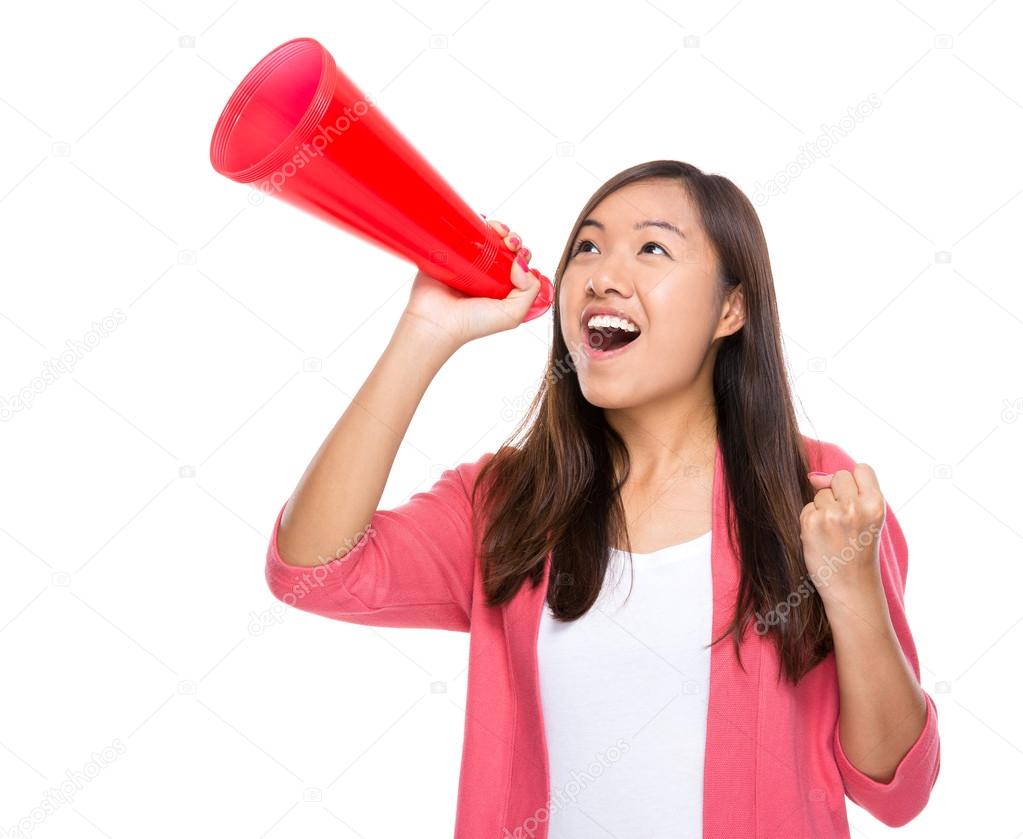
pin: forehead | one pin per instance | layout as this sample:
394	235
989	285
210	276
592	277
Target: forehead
660	198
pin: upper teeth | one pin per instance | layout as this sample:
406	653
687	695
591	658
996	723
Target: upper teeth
598	321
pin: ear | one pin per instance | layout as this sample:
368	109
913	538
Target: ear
733	313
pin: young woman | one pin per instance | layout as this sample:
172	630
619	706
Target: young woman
663	440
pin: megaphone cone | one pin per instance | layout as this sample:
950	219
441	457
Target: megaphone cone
299	129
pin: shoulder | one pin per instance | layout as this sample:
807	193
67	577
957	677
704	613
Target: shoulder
465	473
825	456
469	469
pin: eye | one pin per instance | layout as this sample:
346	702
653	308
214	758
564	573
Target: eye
579	248
656	246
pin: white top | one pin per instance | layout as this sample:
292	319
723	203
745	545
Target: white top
624	691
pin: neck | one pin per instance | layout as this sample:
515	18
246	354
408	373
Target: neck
666	436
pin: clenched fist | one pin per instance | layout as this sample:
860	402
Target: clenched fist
841	530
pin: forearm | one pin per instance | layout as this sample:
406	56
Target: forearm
343	483
882	707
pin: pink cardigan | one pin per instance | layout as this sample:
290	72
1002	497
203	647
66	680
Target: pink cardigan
774	767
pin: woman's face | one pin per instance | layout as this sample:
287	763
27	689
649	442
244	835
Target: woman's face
627	257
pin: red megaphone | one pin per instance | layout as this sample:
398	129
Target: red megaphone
298	128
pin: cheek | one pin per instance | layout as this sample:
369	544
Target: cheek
680	343
567	304
678	353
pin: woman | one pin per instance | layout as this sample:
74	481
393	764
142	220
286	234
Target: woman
664	423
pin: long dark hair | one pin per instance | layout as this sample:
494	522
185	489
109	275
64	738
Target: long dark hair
556	490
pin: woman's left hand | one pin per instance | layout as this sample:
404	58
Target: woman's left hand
840	531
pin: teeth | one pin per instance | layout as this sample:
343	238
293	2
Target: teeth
598	321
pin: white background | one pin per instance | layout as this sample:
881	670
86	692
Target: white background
141	486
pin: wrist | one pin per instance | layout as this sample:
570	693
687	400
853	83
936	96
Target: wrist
857	604
424	337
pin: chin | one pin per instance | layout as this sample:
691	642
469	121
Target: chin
613	396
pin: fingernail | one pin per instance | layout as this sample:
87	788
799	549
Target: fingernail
526	254
819	474
514	242
521	261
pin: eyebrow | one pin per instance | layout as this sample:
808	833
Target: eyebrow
661	223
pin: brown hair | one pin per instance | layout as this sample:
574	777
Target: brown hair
556	491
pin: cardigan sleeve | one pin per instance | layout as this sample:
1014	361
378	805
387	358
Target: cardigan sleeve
413	566
901	799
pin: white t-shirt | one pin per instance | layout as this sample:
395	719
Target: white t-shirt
624	691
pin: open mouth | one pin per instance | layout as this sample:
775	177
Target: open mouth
606	339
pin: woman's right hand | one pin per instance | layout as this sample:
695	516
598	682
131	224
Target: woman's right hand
457	317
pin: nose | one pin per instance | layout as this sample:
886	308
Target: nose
601	283
609	274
